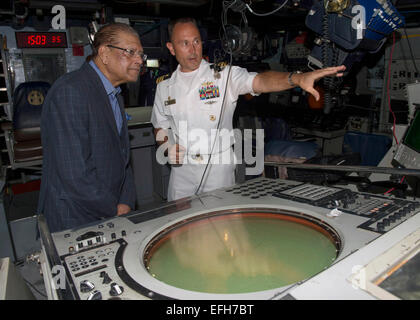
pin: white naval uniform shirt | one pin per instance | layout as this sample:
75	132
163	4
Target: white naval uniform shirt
193	101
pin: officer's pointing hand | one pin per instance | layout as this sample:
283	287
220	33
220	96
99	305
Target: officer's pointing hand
307	80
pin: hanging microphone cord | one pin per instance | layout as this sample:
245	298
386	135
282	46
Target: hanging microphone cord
222	111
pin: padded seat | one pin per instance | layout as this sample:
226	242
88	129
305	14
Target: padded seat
23	135
28	150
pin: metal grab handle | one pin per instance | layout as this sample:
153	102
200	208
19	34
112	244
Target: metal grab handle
385	170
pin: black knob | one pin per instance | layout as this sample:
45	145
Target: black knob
380	226
116	290
86	286
123	233
392	218
385	222
95	295
113	235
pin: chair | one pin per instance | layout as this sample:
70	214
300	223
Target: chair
23	134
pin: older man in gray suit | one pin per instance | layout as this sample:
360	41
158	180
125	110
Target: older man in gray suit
86	173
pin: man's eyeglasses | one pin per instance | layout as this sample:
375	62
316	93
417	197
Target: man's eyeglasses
130	53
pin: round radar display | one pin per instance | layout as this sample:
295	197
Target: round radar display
238	251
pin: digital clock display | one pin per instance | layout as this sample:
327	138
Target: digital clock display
41	40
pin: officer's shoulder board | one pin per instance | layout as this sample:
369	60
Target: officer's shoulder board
219	66
222	64
164	77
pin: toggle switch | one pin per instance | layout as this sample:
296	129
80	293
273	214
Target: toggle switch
106	277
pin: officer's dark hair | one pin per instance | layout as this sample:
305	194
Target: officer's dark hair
109	34
174	22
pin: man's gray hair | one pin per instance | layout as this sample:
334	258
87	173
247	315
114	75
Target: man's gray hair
109	34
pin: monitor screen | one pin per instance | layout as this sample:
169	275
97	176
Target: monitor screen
407	154
400	279
240	253
412	136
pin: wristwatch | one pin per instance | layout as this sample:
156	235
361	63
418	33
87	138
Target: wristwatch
289	78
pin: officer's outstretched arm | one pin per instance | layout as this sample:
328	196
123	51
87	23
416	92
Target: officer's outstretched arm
273	81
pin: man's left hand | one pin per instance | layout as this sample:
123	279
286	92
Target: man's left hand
307	80
122	209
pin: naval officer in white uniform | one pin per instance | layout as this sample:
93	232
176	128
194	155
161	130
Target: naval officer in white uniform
188	105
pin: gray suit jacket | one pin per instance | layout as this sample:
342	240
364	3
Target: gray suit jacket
86	171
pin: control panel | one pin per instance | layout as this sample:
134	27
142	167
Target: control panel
106	260
383	213
92	270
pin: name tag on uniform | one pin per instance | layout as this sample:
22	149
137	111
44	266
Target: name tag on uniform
170	101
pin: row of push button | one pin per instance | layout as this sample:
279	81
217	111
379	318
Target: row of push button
391	219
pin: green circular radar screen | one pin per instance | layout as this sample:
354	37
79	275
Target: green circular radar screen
241	253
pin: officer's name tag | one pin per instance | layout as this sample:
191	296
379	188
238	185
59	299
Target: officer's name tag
170	101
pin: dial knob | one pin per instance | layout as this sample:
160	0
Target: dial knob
95	295
116	290
86	286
